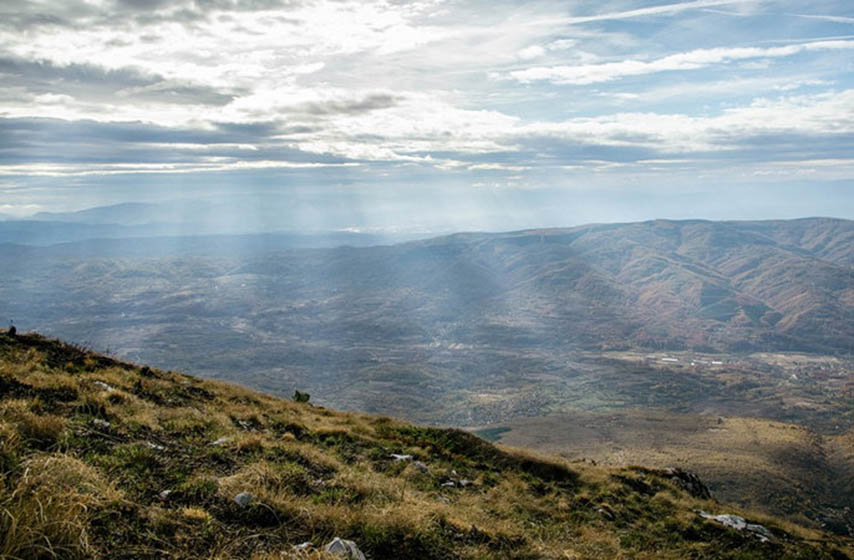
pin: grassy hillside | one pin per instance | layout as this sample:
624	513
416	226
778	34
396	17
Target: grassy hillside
103	459
780	468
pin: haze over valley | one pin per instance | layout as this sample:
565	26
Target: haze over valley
611	326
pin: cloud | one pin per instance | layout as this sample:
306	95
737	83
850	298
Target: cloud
400	91
371	102
73	144
772	129
654	10
692	60
142	4
830	18
531	52
421	130
95	83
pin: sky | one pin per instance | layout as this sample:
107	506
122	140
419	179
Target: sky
431	115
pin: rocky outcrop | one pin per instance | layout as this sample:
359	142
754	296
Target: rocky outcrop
688	481
740	524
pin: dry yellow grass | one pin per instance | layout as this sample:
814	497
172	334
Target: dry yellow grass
757	463
182	449
44	514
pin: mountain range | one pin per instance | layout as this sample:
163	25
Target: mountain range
443	311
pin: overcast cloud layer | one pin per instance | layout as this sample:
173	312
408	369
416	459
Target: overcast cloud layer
433	113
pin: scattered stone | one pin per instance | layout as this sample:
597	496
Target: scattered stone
243	499
421	466
761	532
302	547
245	425
103	386
606	512
733	521
456	482
344	549
444	499
740	524
221	441
165	495
397	457
154	446
100	423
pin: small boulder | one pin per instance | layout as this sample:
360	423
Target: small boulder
243	499
421	467
100	423
732	521
103	386
344	549
761	532
605	511
301	548
740	524
221	441
396	457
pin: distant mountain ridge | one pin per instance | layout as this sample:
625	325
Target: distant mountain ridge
234	215
128	213
776	283
402	328
727	286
